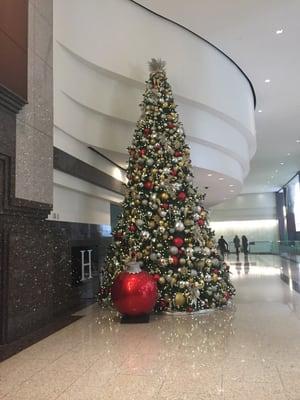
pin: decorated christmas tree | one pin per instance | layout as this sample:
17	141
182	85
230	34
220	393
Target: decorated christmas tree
164	225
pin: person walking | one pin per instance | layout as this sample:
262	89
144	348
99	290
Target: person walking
245	244
237	244
223	246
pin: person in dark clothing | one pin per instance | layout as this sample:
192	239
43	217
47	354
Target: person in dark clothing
223	246
245	244
237	244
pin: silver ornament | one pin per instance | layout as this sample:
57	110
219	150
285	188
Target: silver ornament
196	217
150	162
153	256
194	272
139	222
206	251
173	250
145	234
179	226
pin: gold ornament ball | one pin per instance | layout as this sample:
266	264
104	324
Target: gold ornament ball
164	196
173	281
137	202
151	224
179	299
201	284
162	280
139	255
182	261
208	262
215	278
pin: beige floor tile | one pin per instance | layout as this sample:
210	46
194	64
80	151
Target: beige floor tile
247	351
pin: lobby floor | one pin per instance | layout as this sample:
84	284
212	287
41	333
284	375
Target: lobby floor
248	351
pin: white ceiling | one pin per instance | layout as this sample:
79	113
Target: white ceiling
246	31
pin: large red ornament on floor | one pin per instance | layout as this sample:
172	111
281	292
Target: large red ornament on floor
134	292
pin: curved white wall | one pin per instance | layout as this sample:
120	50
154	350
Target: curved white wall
101	51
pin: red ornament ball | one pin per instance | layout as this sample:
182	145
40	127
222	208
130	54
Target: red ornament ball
148	185
147	131
118	235
174	260
132	228
178	153
181	196
178	241
142	152
165	206
134	293
173	172
201	222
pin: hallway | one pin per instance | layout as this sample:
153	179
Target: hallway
248	351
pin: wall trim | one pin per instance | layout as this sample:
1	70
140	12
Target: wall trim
11	101
68	164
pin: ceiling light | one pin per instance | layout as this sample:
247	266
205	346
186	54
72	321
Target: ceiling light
209	174
231	185
231	191
221	179
272	177
267	80
279	31
260	111
276	171
298	141
288	154
282	163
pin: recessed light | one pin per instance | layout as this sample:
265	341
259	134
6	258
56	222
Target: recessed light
279	31
288	154
298	141
221	179
276	171
281	163
231	185
209	174
267	80
260	111
272	177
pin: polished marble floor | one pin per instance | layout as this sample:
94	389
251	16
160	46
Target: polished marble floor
251	350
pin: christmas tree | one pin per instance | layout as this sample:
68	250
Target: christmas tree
164	225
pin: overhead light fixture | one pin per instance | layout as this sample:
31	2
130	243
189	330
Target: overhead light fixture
298	141
231	185
231	191
281	163
276	171
272	177
279	31
267	80
221	179
260	111
288	154
209	174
